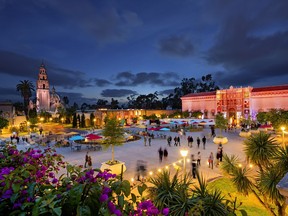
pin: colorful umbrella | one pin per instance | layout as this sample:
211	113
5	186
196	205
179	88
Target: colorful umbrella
93	137
74	138
164	129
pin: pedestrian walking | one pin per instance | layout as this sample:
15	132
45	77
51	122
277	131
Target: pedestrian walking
191	141
175	141
145	141
199	159
204	141
198	142
160	151
86	159
89	162
169	138
221	152
149	140
217	157
141	170
194	166
210	160
165	154
178	140
188	141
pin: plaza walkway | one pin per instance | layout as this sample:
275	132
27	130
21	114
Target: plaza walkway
132	151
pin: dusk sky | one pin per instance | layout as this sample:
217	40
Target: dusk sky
102	49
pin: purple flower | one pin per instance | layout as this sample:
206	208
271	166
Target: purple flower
51	175
145	205
152	211
6	170
8	193
103	197
106	190
117	212
54	181
111	207
17	205
165	211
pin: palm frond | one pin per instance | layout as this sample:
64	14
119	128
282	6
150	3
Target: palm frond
229	164
268	181
242	180
261	148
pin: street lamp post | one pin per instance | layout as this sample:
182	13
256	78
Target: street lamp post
283	130
184	153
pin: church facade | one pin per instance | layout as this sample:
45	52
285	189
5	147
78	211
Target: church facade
237	103
46	100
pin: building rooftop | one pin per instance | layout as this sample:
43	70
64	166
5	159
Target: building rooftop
270	88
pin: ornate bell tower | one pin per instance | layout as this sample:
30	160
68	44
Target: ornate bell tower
43	91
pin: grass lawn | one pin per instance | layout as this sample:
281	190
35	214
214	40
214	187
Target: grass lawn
250	203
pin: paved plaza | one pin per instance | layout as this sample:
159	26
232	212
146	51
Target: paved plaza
132	151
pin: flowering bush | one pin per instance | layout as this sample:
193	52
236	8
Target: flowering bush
29	186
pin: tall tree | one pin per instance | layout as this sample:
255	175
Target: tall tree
207	84
92	119
25	87
221	122
114	104
74	121
101	103
114	134
83	121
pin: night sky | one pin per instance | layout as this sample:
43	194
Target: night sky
102	49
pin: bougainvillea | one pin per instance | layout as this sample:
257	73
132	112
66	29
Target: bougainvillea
31	184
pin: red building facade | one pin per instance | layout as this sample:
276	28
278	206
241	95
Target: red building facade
236	103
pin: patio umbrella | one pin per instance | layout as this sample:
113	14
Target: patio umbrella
164	129
203	122
74	138
153	129
93	137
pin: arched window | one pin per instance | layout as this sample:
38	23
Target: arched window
43	86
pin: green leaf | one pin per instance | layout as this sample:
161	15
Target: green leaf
57	211
16	188
121	201
14	197
243	212
141	189
83	211
126	188
133	198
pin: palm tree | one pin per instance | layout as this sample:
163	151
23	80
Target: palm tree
25	87
261	149
271	160
178	194
114	134
212	201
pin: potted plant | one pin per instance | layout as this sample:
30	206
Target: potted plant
221	123
245	127
114	136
